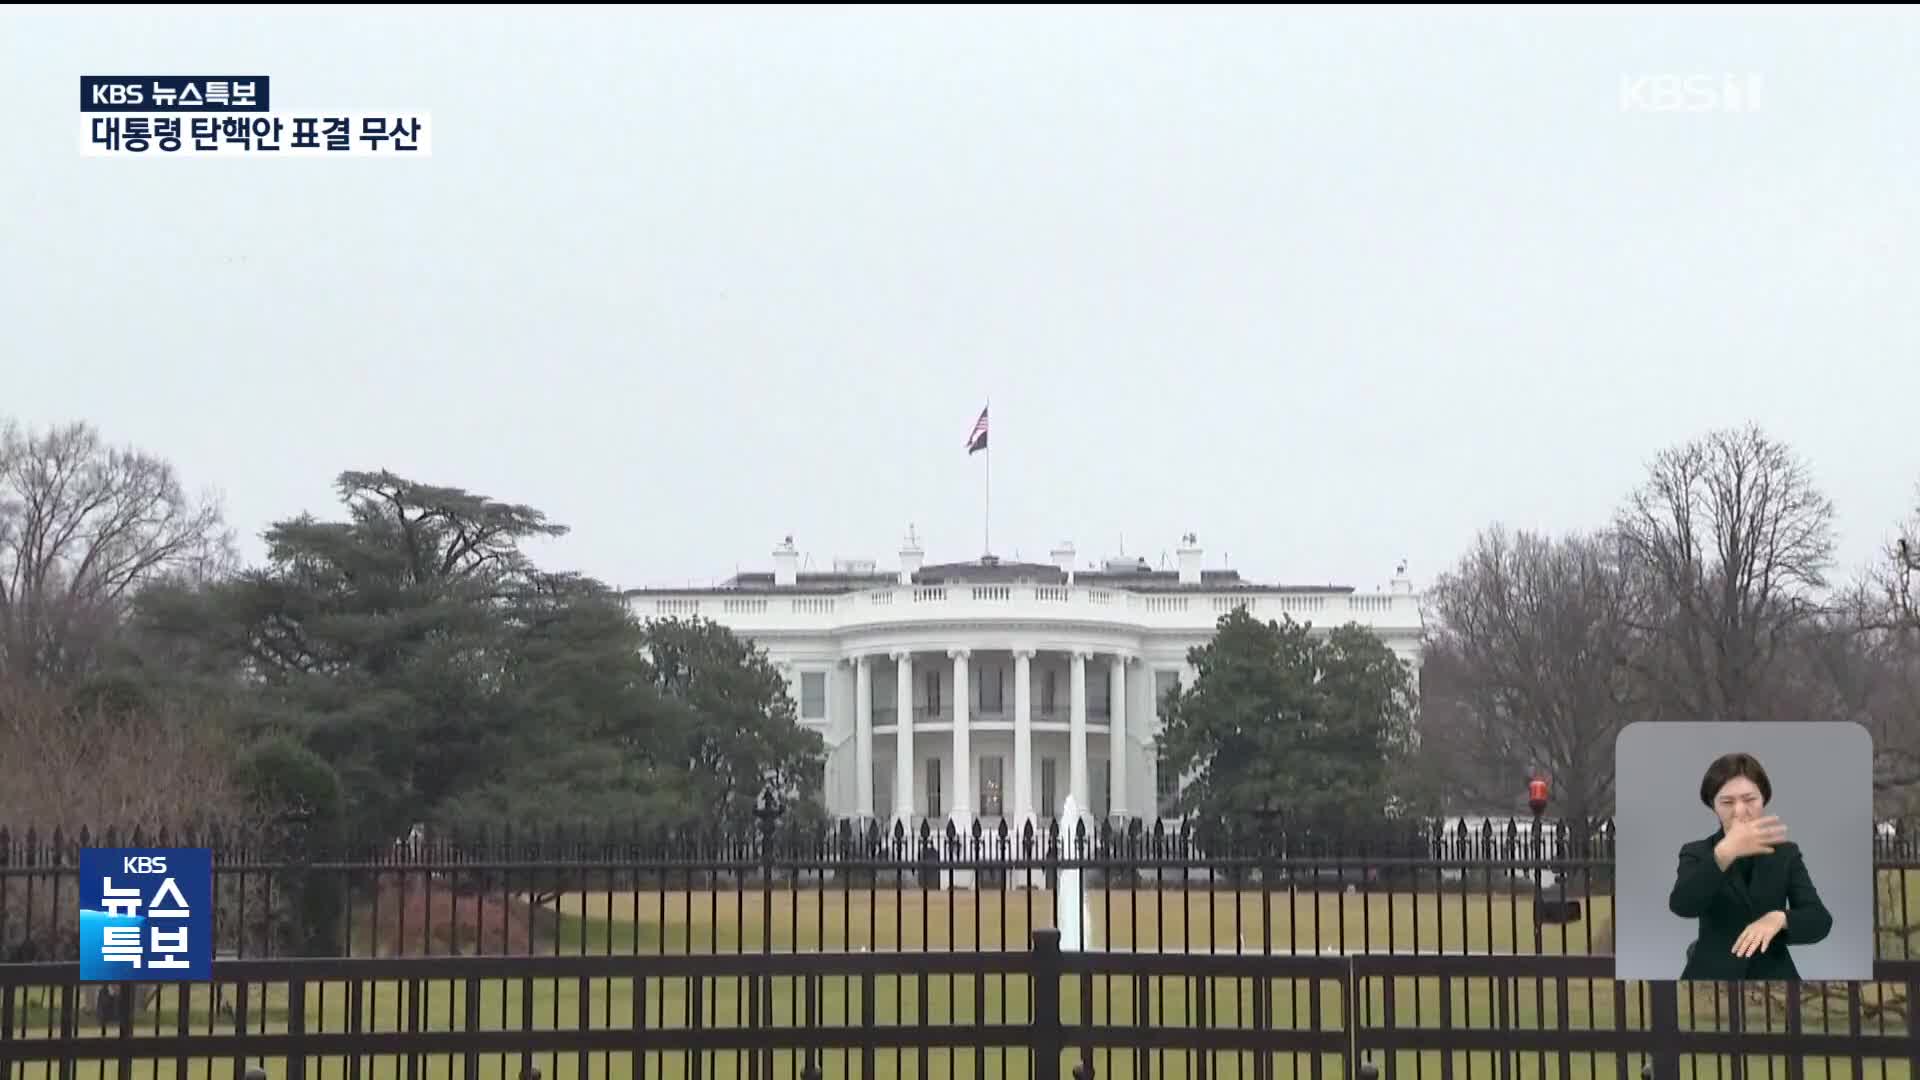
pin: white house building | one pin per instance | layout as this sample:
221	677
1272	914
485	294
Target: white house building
993	689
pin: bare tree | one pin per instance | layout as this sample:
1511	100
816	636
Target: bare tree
1731	541
1885	697
1463	763
1887	619
72	763
1534	636
83	526
82	762
1892	580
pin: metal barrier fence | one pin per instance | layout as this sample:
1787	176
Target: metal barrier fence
1455	952
1038	1012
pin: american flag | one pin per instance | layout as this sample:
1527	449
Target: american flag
977	439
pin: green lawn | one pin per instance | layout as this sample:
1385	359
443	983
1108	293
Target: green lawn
1249	921
727	922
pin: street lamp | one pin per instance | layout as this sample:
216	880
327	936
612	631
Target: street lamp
767	816
1545	911
768	812
1537	795
1267	814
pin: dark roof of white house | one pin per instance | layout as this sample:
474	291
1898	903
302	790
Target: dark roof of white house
1141	577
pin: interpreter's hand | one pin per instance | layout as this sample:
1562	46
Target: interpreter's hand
1759	934
1753	837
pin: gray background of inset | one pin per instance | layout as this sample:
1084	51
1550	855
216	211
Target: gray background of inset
1822	776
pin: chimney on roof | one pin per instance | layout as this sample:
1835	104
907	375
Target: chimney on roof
1063	558
911	557
1402	584
1190	560
786	563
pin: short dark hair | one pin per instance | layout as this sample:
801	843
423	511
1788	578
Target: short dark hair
1729	767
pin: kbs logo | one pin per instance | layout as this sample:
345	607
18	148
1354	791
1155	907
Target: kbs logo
117	94
146	914
1690	93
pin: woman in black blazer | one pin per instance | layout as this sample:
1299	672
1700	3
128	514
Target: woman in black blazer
1746	884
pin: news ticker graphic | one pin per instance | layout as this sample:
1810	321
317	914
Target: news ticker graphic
170	93
146	914
231	116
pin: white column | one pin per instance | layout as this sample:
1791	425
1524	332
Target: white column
903	795
1022	739
962	800
960	804
1077	739
1117	737
863	736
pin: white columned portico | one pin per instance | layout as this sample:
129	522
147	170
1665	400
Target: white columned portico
863	736
1117	738
1077	738
961	801
903	795
1051	631
1022	739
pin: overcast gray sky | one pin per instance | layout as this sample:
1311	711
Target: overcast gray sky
1328	289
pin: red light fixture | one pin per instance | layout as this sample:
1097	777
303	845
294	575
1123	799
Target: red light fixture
1537	794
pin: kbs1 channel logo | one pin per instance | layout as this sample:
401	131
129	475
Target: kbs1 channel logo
232	116
146	914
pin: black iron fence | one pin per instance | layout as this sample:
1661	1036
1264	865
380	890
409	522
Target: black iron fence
1508	887
1039	1012
1460	951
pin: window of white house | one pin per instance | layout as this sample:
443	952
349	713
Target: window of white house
991	690
813	695
1163	684
1049	804
992	786
936	806
1166	790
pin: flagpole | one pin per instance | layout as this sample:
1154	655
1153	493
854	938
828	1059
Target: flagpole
987	524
